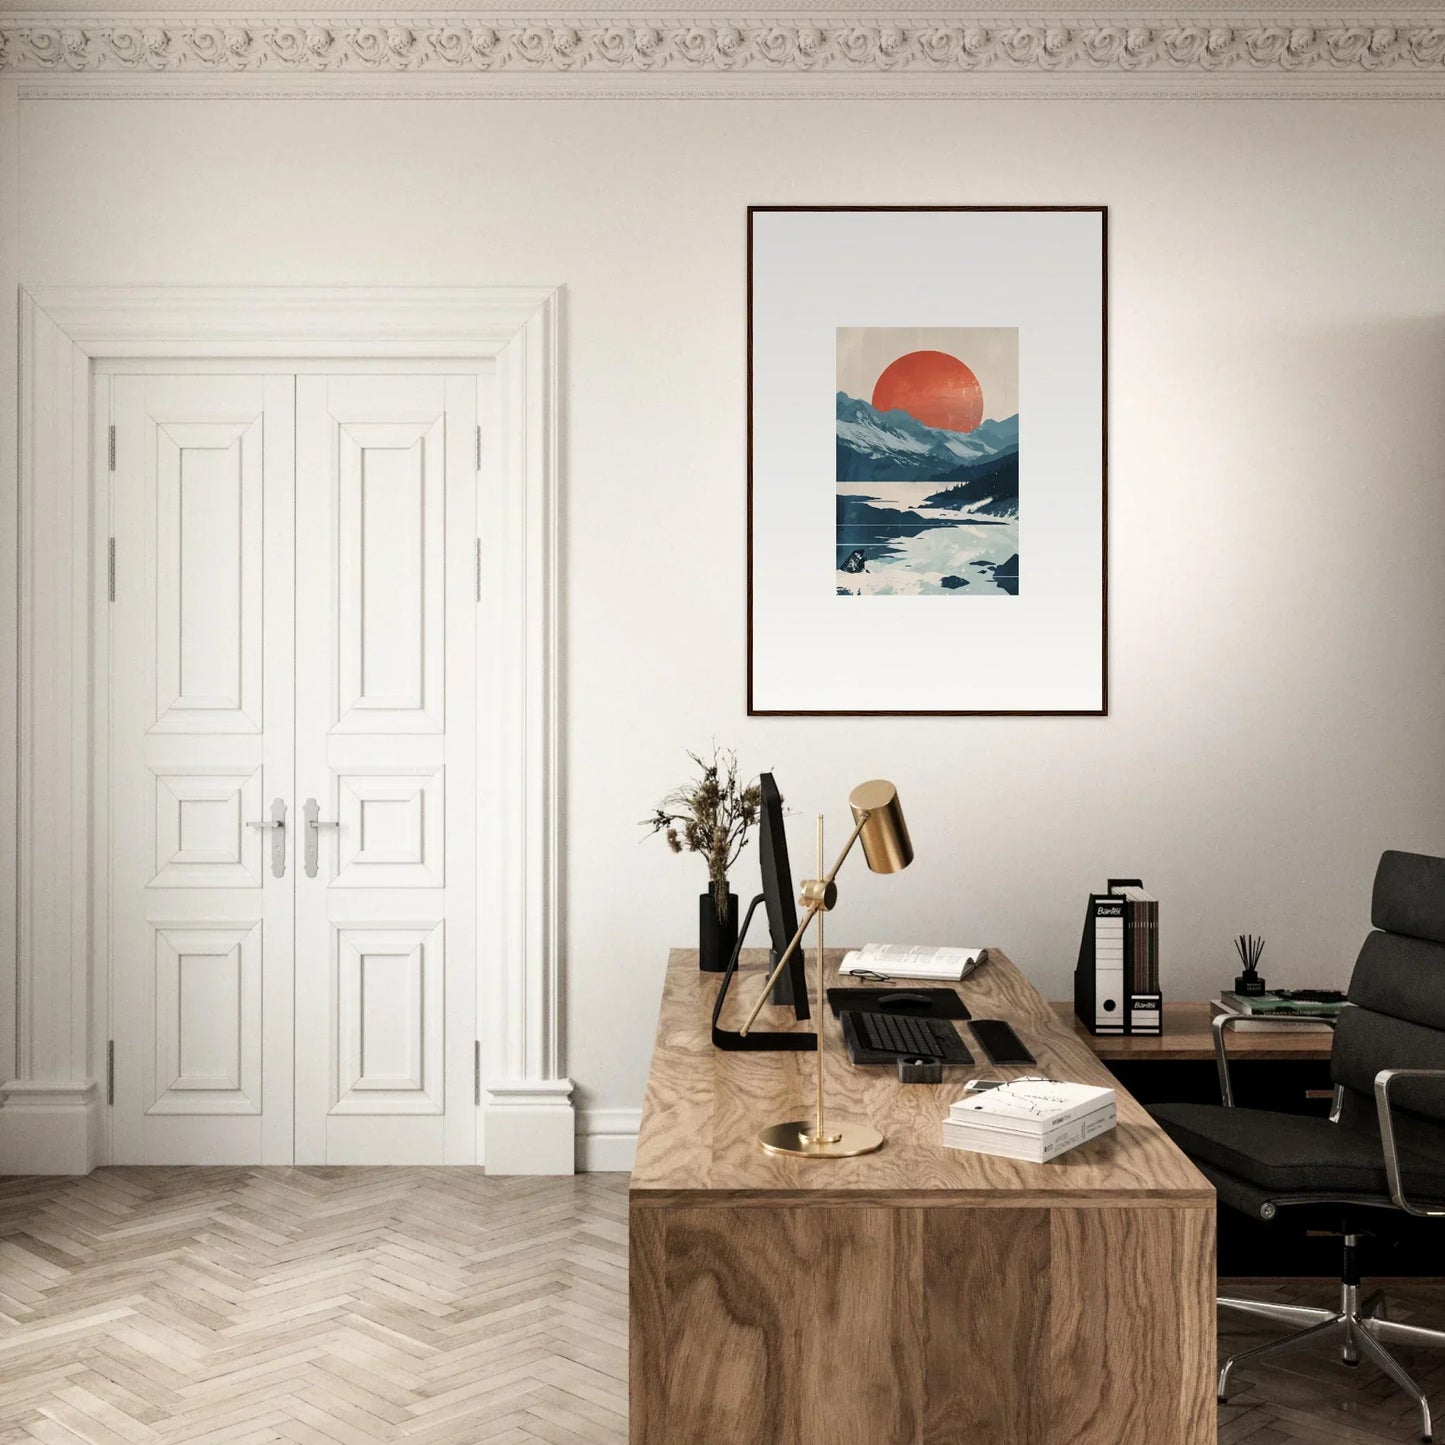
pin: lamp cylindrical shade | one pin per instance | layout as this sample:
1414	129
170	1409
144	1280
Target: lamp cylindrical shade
885	840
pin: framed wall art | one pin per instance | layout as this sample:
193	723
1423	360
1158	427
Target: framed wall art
927	459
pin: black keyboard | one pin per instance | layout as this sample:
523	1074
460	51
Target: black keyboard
900	1036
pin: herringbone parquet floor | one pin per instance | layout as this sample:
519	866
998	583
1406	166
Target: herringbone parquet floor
1307	1395
150	1306
347	1306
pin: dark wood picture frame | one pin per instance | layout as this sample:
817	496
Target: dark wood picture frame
1103	708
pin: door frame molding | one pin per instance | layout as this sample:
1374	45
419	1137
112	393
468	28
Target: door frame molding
52	1115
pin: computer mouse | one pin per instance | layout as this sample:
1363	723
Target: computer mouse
903	999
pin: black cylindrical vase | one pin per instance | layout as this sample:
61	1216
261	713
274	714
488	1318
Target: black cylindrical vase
716	937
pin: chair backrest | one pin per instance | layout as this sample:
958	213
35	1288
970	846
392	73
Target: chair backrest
1398	994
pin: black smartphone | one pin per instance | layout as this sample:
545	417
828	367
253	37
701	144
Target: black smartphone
1000	1042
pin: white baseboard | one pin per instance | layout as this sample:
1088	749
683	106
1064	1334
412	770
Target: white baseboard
49	1128
530	1128
56	1129
607	1140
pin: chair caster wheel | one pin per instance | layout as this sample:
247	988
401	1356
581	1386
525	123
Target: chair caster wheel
1353	1364
1221	1399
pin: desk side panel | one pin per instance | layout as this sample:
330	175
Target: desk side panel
787	1325
648	1329
903	1326
1132	1329
987	1285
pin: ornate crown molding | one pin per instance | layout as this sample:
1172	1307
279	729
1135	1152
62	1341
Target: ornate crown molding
939	46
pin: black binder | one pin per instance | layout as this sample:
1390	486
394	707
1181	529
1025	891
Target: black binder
1116	982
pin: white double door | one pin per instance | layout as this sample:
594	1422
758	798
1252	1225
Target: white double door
292	767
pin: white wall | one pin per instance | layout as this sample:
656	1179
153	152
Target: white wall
1277	486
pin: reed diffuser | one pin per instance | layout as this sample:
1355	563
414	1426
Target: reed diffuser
1249	948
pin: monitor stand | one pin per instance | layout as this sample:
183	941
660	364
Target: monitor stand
759	1040
782	993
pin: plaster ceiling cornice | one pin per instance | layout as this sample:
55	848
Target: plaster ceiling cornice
920	49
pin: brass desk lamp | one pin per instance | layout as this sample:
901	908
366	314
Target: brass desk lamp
878	823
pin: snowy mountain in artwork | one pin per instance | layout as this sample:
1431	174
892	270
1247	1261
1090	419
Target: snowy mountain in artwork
891	446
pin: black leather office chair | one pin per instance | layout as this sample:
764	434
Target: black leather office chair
1382	1150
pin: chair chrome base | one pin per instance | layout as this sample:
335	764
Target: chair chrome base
1362	1327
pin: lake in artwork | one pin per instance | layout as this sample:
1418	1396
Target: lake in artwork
927	461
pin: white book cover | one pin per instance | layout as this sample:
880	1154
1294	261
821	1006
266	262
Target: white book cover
993	1124
1035	1105
1035	1148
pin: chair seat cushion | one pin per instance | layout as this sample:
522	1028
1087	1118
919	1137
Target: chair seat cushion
1293	1153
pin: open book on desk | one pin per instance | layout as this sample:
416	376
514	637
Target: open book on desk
902	960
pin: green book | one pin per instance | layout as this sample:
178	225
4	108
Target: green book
1272	1003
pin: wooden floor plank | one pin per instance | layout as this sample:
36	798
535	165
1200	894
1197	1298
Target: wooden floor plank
433	1306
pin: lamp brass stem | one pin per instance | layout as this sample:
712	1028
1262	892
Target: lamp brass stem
814	907
878	821
820	1133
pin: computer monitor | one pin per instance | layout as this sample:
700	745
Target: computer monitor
777	900
791	987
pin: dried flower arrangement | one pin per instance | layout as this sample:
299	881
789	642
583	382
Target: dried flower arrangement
711	815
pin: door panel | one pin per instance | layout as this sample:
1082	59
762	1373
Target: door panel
390	1027
201	743
389	600
385	928
392	832
209	569
207	1013
201	835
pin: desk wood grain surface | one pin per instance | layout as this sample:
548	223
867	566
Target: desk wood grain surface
1188	1037
704	1107
919	1295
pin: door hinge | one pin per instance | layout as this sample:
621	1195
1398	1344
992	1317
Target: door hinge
479	569
110	569
479	448
477	1071
110	1072
110	448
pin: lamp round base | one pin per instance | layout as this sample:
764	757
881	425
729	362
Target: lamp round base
795	1137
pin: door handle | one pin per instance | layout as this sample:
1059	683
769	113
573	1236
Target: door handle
314	824
277	823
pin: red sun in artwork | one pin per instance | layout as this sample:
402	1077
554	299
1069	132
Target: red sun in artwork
932	387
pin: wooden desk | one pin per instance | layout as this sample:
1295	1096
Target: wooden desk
919	1295
1187	1036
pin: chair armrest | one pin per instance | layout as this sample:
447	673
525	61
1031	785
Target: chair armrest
1383	1080
1222	1023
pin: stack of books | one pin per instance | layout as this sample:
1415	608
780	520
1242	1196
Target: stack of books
1261	1011
1032	1119
1141	941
